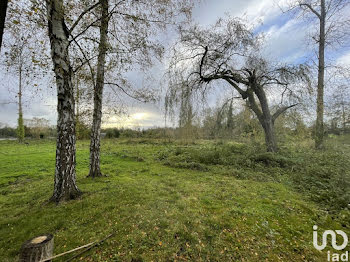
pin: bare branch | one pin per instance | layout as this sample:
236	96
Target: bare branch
125	92
81	16
87	60
311	9
281	111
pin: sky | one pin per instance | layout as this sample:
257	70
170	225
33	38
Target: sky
286	38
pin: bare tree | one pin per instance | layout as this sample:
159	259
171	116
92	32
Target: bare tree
22	49
17	56
333	29
338	104
229	52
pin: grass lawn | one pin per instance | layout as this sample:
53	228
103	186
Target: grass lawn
162	206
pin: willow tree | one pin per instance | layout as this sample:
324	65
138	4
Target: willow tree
228	52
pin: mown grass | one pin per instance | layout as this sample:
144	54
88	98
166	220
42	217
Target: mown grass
208	201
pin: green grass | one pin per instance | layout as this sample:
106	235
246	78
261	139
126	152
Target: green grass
170	201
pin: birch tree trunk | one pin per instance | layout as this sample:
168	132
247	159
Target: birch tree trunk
320	83
98	95
65	185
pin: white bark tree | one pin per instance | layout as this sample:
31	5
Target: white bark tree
95	143
128	43
65	187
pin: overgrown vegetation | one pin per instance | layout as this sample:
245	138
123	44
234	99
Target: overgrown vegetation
173	200
323	176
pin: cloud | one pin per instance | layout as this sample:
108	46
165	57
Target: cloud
287	42
285	36
344	59
139	117
208	12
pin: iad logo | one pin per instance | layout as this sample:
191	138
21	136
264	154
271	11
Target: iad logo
334	239
333	234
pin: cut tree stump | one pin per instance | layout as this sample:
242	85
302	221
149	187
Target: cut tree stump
37	249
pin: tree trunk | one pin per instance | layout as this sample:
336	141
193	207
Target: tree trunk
343	117
3	8
320	84
98	95
65	186
20	127
37	249
270	137
266	120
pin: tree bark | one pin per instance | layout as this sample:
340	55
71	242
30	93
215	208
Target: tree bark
95	170
37	249
20	128
65	187
270	137
320	83
3	8
266	120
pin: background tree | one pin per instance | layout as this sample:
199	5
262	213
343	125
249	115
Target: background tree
186	114
21	50
37	127
229	123
229	52
333	29
338	106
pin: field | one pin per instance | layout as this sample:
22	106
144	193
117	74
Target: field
176	201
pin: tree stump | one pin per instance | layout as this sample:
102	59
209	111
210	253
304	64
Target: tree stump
37	249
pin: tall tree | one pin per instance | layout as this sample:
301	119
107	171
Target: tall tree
16	59
65	187
229	52
331	29
98	92
130	44
320	79
21	50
